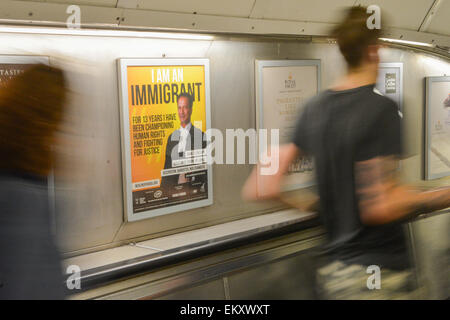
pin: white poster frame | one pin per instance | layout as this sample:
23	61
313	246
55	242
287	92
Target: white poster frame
259	66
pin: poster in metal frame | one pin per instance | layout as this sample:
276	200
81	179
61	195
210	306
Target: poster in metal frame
123	64
312	65
437	127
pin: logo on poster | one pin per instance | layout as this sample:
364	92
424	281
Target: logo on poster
390	82
289	83
157	194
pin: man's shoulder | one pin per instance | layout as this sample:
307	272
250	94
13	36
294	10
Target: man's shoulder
315	105
317	99
377	96
372	103
169	138
172	139
369	104
175	133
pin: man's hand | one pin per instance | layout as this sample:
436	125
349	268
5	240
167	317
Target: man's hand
263	187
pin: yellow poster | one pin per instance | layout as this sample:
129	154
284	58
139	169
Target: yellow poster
167	120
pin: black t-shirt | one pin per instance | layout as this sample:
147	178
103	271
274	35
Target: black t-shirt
339	128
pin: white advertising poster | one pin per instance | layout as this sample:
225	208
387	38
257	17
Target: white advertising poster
282	88
437	146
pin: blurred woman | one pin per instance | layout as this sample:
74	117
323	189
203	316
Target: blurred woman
31	108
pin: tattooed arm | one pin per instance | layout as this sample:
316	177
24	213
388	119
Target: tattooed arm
382	199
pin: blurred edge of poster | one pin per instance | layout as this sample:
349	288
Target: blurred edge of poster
437	128
282	88
157	181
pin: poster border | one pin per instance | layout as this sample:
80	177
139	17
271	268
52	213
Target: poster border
259	65
31	59
122	64
428	92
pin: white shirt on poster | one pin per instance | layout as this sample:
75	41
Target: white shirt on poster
184	135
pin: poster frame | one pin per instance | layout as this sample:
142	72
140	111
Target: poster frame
428	175
24	59
122	65
260	64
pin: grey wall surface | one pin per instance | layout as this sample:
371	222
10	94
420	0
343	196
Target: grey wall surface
89	204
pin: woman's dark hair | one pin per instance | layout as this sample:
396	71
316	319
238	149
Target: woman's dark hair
353	36
31	109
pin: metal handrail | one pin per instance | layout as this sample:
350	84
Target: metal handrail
100	276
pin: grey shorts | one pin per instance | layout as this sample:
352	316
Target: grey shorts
340	281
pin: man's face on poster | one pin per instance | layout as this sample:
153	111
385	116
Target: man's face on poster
184	111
